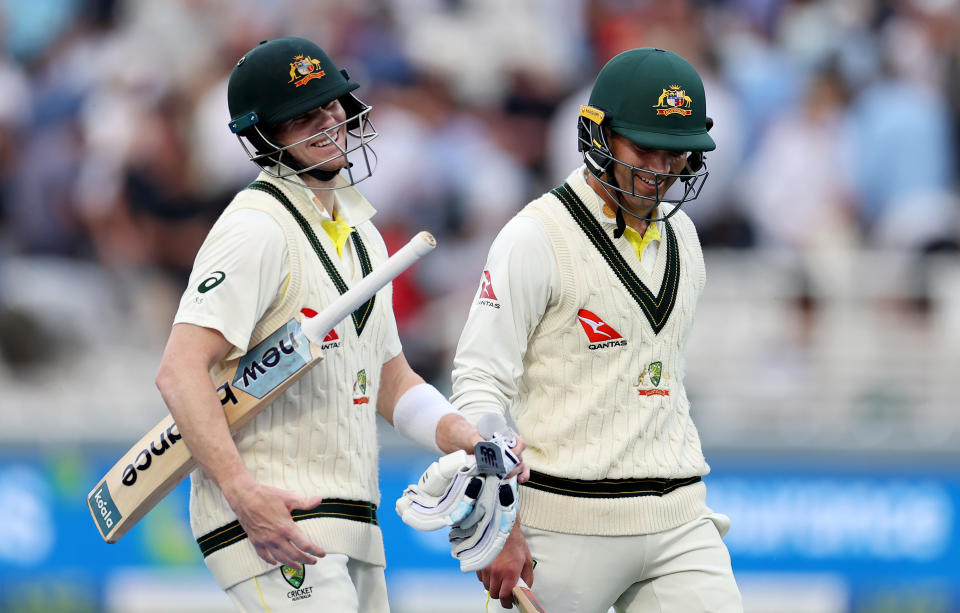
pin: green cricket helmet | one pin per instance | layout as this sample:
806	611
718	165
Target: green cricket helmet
654	98
284	78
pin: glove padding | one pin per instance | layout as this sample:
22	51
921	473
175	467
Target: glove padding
480	537
445	494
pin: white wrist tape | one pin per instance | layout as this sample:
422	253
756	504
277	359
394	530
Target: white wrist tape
418	412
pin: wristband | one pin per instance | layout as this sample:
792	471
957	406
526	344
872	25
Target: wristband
418	412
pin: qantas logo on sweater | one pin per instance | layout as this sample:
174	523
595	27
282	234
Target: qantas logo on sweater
330	341
487	297
599	333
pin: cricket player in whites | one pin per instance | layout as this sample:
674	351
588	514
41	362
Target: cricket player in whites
579	329
285	512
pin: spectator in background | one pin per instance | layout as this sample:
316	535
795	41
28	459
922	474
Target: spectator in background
796	184
903	148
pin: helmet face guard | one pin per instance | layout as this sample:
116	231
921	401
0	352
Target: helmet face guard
278	161
284	78
600	161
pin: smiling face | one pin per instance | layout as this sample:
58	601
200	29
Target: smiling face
316	138
646	179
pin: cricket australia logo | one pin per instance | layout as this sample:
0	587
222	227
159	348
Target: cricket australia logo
360	388
292	576
672	101
295	578
648	383
306	68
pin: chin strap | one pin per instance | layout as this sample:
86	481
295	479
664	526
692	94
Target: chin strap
324	175
621	222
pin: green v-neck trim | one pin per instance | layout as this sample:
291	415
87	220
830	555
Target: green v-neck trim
362	314
657	308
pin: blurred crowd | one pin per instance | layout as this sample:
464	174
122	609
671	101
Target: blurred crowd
837	125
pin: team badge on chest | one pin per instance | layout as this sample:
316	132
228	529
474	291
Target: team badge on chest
648	383
360	388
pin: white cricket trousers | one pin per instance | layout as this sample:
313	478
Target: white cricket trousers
335	584
683	570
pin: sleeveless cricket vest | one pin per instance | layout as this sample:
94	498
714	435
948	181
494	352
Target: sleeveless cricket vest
601	402
320	436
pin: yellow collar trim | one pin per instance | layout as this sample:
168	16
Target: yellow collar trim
638	242
338	232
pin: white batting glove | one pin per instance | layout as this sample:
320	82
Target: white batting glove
445	494
478	540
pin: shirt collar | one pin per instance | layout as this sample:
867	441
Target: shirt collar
351	208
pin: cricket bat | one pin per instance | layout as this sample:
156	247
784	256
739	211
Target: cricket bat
160	459
525	600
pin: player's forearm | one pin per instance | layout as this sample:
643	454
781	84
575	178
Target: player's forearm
454	432
193	402
420	412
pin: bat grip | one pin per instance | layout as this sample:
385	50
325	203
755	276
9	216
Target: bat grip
317	327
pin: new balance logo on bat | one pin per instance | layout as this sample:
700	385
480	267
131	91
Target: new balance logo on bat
144	459
272	361
600	334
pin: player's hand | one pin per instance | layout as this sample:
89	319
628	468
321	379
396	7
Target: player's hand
521	471
513	562
454	432
264	513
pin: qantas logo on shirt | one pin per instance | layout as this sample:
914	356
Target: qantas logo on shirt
487	297
330	341
599	333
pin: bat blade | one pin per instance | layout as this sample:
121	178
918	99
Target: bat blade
160	459
525	600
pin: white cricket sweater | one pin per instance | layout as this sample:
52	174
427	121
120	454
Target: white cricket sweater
319	437
593	375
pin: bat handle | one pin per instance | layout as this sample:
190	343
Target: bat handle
316	328
525	600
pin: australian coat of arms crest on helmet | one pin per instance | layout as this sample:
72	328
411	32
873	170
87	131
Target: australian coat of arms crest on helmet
672	100
306	68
